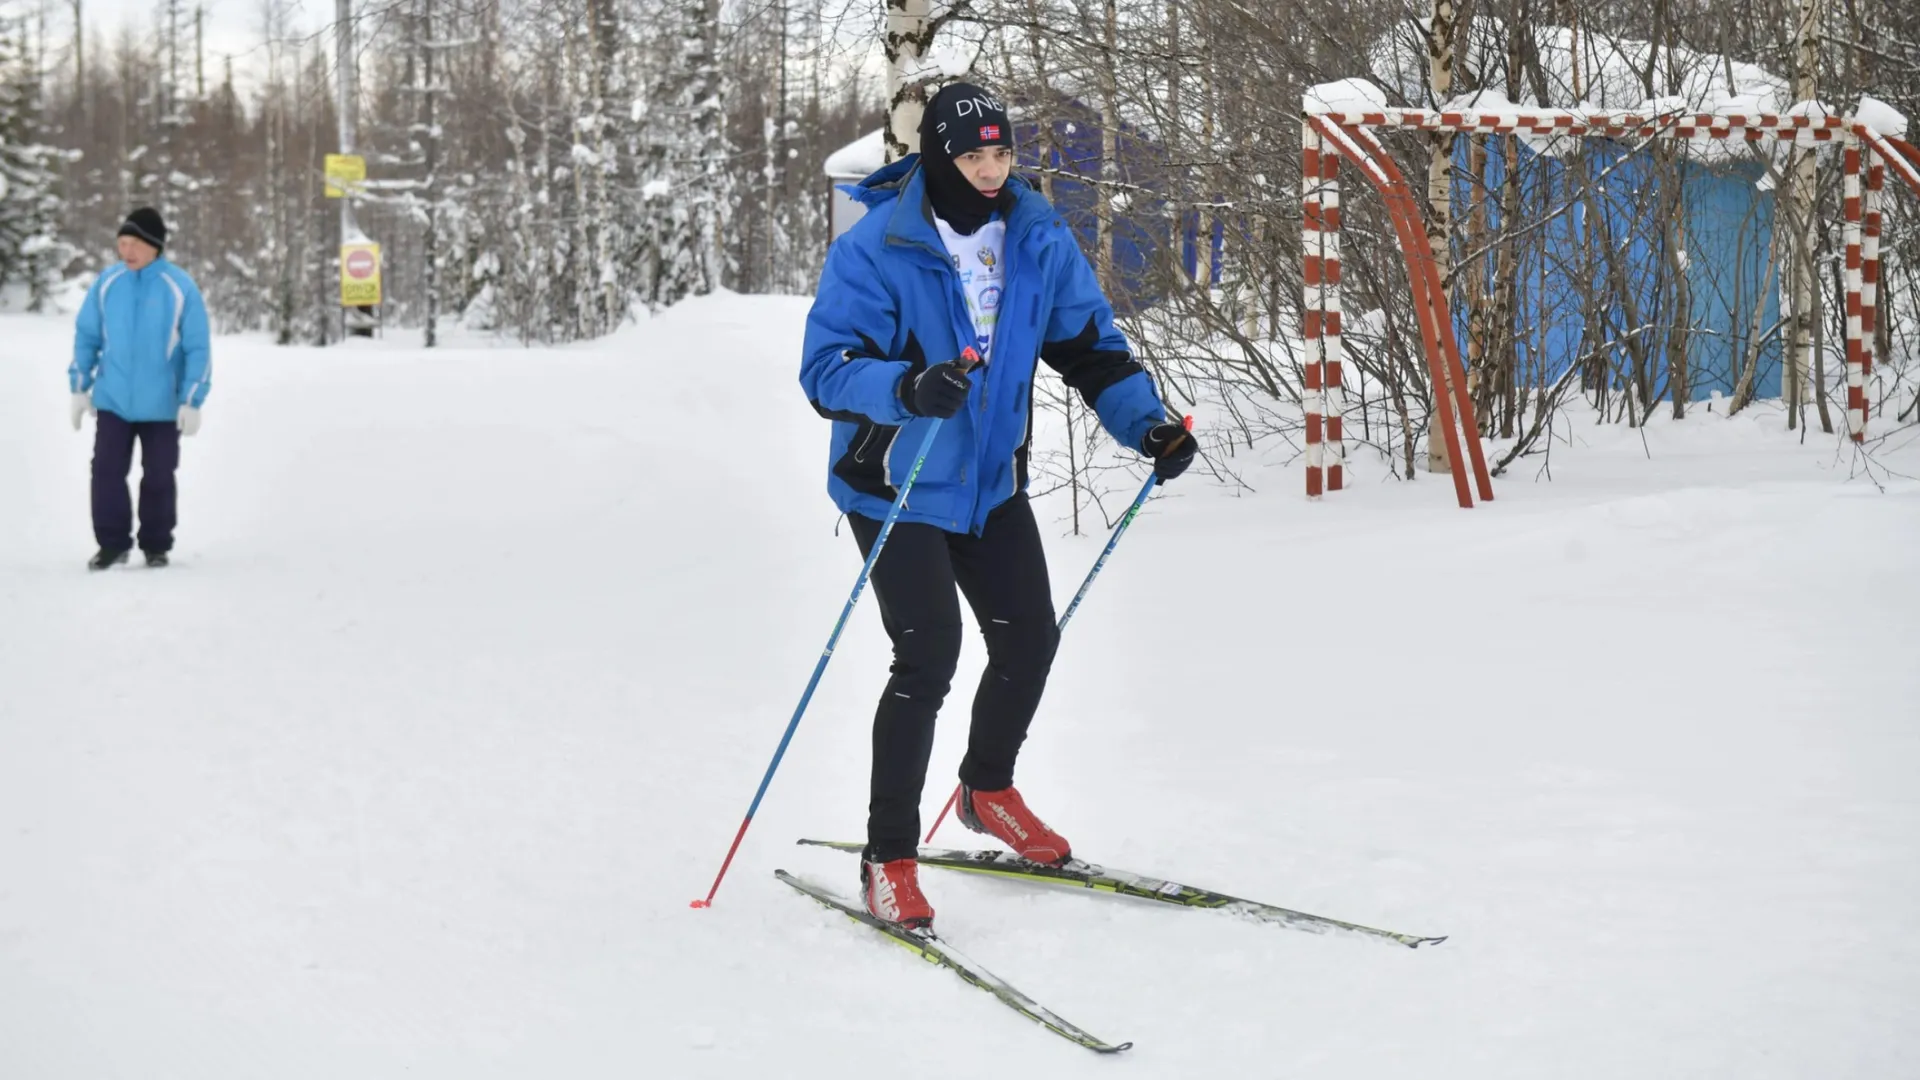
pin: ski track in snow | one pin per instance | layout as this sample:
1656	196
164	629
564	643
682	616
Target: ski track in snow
470	660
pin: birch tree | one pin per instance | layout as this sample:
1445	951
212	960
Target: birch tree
1799	215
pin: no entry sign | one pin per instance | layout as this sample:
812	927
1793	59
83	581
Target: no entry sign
359	275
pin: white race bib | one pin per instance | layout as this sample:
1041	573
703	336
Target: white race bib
980	260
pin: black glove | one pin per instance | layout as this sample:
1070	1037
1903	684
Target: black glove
940	391
1171	447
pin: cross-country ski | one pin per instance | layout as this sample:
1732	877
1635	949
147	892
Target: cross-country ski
1106	879
935	949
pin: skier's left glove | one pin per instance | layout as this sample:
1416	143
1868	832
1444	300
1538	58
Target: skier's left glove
188	420
1171	447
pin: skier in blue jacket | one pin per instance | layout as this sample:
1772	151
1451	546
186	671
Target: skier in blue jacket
141	364
957	254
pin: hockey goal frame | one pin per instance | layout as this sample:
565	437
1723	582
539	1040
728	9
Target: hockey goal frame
1329	134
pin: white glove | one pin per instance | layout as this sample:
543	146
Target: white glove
189	420
78	406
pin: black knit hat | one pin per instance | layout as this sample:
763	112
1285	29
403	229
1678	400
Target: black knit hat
145	224
962	117
966	118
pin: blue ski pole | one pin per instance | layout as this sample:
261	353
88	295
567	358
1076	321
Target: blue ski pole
1126	519
860	583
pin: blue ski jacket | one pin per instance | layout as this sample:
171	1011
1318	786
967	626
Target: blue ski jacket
140	343
890	304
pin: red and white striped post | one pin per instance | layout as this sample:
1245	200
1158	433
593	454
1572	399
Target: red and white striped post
1312	236
1883	152
1870	270
1312	229
1851	232
1333	400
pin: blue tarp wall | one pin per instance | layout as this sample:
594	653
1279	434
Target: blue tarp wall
1143	228
1727	233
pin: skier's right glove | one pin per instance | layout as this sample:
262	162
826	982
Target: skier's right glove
939	391
1171	447
78	406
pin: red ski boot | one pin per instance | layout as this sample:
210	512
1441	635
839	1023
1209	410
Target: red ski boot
1004	816
892	892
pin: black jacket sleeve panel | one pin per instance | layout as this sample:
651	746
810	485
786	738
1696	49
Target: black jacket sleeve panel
1085	365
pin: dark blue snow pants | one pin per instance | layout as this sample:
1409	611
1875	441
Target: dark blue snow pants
113	439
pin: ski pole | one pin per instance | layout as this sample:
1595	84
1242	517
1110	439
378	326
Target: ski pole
1126	519
969	358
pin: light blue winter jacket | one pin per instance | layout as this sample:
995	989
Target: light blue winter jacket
140	343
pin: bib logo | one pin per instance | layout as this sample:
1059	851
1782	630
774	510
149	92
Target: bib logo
987	258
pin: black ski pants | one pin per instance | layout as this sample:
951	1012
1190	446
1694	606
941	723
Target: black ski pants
113	439
1003	574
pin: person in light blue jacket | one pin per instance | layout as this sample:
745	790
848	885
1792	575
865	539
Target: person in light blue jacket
937	308
142	366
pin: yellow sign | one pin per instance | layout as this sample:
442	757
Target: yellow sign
344	171
359	275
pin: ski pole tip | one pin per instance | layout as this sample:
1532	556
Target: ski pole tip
701	904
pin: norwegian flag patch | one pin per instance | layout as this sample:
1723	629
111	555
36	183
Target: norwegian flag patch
989	132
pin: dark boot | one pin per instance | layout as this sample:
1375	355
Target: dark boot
106	557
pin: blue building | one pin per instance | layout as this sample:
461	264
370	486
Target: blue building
1150	235
1726	234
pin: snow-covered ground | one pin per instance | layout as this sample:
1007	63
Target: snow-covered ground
470	661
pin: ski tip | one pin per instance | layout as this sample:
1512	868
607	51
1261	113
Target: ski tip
1417	942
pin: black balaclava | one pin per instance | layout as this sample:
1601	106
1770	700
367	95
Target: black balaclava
962	117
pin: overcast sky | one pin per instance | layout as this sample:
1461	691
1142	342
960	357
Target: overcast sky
233	27
236	28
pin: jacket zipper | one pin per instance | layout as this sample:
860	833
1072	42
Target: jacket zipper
1006	295
946	263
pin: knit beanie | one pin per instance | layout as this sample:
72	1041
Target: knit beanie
145	224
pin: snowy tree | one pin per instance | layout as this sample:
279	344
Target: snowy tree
601	115
31	252
690	193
